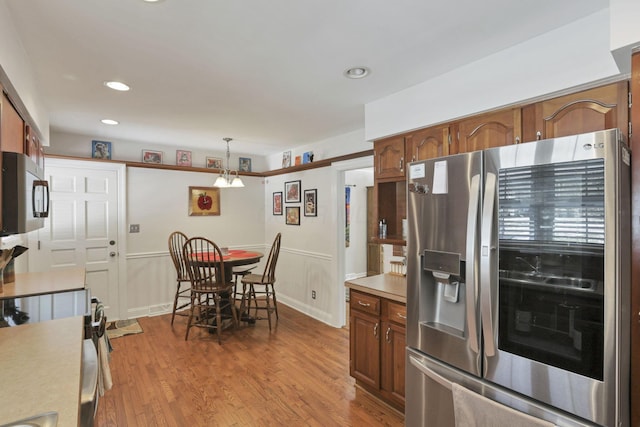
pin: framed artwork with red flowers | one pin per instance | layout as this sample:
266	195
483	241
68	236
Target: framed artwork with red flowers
204	201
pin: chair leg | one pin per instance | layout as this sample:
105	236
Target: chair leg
175	303
275	302
245	303
216	300
190	315
268	305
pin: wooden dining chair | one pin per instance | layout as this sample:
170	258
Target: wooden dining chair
182	298
263	285
211	291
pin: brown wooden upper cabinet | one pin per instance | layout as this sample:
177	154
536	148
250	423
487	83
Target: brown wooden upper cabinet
33	147
495	129
389	158
601	108
427	143
11	127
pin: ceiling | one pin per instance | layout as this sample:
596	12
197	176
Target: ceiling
267	73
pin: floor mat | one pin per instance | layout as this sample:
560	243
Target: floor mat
120	328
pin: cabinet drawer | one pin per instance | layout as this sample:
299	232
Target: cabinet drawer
364	302
397	313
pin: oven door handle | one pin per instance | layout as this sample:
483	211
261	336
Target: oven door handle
472	284
430	372
486	256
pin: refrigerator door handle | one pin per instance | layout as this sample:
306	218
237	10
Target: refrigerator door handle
430	372
471	286
486	253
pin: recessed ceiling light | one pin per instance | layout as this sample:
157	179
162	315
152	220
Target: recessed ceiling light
109	122
356	72
117	86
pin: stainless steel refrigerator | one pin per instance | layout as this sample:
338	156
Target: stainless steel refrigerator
518	281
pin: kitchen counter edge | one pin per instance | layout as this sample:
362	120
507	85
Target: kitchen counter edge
389	286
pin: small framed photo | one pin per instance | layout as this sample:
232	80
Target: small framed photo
310	202
286	159
213	163
277	203
298	160
244	164
150	156
101	150
293	215
292	192
307	157
183	158
204	201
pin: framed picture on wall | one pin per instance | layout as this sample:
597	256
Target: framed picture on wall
101	150
214	163
286	159
310	202
277	203
183	158
293	215
204	201
244	164
292	192
150	156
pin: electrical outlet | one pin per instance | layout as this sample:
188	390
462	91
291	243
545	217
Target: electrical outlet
313	294
134	228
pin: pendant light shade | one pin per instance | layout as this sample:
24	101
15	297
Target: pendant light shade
225	179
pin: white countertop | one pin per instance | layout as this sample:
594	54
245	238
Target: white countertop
28	284
40	370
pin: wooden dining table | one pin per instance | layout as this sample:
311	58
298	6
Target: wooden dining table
234	258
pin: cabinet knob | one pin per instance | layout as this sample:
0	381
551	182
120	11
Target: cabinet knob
538	136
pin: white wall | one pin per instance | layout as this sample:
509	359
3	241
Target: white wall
16	65
574	55
307	259
351	142
69	144
356	253
157	200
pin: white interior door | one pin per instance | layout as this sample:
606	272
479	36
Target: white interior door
83	228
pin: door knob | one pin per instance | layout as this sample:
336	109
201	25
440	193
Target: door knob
112	242
112	254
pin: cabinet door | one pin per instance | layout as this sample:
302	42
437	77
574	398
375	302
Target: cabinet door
11	127
33	148
489	130
601	108
393	362
364	354
428	144
389	158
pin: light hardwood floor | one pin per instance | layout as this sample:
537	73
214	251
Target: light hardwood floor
297	375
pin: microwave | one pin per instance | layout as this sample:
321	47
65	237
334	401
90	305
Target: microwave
25	195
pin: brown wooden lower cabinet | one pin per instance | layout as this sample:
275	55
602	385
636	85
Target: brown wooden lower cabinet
377	346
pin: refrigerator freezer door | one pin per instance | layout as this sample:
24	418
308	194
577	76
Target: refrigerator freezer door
442	276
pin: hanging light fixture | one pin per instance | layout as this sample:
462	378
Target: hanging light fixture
225	180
